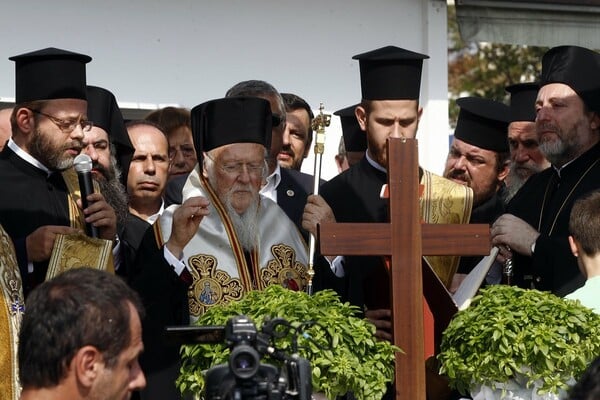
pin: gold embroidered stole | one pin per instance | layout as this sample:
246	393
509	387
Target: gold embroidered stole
443	201
216	258
11	312
79	250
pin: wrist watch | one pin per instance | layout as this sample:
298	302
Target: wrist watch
533	247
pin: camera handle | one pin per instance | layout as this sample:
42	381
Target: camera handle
300	377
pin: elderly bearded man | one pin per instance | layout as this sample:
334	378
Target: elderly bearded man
526	158
225	239
534	232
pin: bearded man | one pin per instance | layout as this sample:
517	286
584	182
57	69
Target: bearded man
225	239
108	145
535	229
526	157
478	158
38	187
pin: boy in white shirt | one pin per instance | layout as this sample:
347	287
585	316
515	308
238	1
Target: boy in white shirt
584	229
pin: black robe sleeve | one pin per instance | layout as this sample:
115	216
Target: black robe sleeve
164	295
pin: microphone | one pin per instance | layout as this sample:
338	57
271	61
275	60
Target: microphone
83	167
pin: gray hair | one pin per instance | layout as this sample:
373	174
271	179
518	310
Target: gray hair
256	88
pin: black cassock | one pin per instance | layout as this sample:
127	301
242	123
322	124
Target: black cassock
29	199
165	298
354	196
545	202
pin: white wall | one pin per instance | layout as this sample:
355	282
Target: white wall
188	51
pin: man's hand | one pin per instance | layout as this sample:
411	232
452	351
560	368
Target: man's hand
41	241
186	220
316	212
382	319
101	215
515	233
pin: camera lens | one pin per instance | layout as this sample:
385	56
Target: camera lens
244	361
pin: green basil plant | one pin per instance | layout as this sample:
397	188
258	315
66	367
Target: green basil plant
519	341
342	350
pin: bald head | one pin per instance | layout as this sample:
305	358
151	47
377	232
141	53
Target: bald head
5	129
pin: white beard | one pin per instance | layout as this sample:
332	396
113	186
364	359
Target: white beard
514	183
245	224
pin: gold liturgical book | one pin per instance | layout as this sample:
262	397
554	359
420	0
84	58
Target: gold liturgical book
79	250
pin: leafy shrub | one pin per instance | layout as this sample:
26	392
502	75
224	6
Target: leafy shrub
343	352
526	335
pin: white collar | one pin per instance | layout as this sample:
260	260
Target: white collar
152	218
273	180
374	163
27	157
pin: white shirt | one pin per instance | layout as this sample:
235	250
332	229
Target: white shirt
269	190
152	218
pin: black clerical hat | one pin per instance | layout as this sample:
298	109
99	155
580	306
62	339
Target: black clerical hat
50	74
355	139
104	112
483	123
231	120
576	67
522	101
390	73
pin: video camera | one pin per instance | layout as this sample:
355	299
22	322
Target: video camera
244	376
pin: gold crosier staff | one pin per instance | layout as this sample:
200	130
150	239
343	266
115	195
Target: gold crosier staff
319	123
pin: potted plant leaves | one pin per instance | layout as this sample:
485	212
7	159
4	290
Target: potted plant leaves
513	343
342	350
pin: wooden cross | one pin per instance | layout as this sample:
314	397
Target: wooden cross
405	239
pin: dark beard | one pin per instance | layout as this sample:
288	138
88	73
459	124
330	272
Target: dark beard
116	197
113	190
42	150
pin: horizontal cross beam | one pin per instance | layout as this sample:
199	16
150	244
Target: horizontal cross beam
362	239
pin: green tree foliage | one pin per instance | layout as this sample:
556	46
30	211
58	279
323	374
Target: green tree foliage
485	69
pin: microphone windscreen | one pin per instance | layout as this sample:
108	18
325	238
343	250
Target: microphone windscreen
82	163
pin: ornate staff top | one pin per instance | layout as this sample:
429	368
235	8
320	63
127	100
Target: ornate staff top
319	123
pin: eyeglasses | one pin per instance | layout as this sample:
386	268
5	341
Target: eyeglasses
67	126
278	120
186	151
235	169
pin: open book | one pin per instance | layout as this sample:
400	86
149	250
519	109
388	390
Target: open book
442	303
468	288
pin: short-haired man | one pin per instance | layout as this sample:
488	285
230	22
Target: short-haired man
298	133
584	239
81	338
176	124
148	170
526	158
535	229
225	239
38	187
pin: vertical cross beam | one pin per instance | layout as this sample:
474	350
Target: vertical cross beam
406	283
405	240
